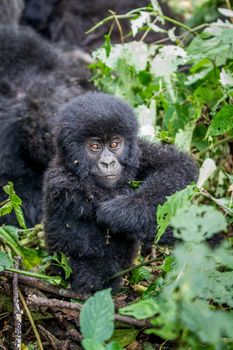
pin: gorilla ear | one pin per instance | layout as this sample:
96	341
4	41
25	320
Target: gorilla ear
67	148
71	152
134	154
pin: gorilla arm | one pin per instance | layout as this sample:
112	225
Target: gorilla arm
65	212
163	170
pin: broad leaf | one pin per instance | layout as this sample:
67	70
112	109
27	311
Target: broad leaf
5	261
97	316
166	211
222	121
196	224
141	310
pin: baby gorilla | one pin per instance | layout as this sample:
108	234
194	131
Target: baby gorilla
91	213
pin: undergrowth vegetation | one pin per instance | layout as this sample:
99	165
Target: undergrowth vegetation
182	91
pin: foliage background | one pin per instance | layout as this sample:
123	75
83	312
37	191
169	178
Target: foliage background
181	88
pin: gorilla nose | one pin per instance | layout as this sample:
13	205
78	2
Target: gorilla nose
108	163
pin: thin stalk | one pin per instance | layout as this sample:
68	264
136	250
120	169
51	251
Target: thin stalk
132	13
118	26
227	139
29	315
30	274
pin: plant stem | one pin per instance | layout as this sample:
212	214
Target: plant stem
219	142
29	315
17	310
228	4
31	274
118	26
132	13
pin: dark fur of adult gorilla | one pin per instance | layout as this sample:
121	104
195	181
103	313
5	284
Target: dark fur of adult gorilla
91	213
35	82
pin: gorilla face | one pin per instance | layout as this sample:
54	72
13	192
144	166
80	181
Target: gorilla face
105	155
97	140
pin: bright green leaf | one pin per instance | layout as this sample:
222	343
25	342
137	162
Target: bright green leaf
222	121
97	316
196	224
141	310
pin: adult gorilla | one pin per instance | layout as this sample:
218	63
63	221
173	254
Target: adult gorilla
91	213
36	80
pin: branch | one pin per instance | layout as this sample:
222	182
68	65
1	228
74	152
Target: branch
44	286
31	320
60	304
17	310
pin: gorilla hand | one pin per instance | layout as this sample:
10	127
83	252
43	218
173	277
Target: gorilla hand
123	214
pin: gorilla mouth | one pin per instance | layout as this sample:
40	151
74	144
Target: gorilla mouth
110	177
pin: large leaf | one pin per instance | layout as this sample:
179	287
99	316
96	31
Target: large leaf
5	261
97	316
214	43
166	211
91	344
125	336
222	121
196	224
141	310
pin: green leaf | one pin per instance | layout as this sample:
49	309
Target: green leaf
113	346
196	224
210	326
141	310
222	121
97	316
167	60
15	203
215	43
5	261
107	44
140	274
166	211
92	344
125	336
6	208
61	261
207	169
183	137
168	263
219	287
30	257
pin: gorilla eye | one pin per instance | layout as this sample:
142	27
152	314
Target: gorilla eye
95	146
114	144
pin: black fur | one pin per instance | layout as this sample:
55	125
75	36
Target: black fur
80	213
67	21
35	82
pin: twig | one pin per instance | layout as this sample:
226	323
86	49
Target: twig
31	320
118	26
217	143
17	310
110	18
54	342
132	13
44	286
53	303
60	304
